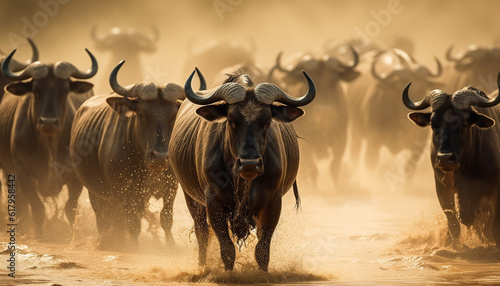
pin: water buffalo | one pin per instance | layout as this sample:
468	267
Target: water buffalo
374	99
125	44
217	56
236	159
325	127
117	142
16	66
477	66
35	123
465	155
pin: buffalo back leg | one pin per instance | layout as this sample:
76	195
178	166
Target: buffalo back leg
199	214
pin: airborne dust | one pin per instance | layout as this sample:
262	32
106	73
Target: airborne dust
378	225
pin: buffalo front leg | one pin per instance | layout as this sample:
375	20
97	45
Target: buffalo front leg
134	211
28	197
218	216
268	218
74	191
199	214
104	214
166	216
446	198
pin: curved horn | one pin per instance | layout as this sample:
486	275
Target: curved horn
439	70
113	82
25	74
34	49
373	70
230	92
452	58
268	93
89	73
468	96
203	83
423	104
277	66
355	58
16	66
404	57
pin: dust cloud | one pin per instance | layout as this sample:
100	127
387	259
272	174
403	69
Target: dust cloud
377	225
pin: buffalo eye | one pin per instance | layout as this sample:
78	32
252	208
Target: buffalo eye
231	123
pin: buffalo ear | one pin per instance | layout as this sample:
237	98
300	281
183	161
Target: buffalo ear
421	119
80	86
286	113
213	112
19	88
482	121
122	105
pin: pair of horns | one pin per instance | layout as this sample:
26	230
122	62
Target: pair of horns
462	99
233	92
150	88
61	69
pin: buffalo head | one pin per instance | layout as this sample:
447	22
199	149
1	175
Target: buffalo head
247	113
50	86
153	110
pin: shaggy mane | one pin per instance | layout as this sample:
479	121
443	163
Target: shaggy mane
239	77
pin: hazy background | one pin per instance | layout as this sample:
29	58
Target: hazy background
377	233
274	25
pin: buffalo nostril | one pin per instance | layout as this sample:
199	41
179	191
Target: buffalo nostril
152	155
452	158
48	121
249	165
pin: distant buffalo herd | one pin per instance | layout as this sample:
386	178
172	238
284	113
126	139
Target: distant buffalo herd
233	148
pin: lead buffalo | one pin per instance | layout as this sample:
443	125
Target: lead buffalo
465	155
35	123
117	142
236	159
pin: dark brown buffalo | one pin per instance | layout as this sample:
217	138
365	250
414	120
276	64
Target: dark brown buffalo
325	127
16	66
36	114
374	101
477	66
125	44
217	57
118	141
465	156
235	159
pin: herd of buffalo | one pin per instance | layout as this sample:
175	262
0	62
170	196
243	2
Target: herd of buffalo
233	148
